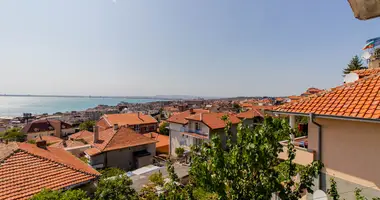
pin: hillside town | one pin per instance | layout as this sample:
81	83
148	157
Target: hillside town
318	144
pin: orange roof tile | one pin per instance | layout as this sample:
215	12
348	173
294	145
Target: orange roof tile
122	138
366	72
163	140
180	118
84	135
214	120
250	114
360	99
28	169
129	119
50	139
67	144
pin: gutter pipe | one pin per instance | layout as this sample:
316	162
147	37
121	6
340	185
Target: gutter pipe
319	156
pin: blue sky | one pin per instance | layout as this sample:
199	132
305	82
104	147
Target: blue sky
192	47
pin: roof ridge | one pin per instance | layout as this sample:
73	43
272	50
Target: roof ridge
59	163
113	135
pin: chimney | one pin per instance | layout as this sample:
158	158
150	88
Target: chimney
201	114
151	136
41	144
96	133
191	111
115	127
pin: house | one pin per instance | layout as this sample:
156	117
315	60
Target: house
120	147
162	145
26	169
139	122
51	127
343	133
193	127
251	117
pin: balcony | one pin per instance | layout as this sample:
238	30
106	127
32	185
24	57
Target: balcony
303	155
199	134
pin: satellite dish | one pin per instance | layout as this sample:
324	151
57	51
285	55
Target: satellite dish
320	195
366	55
351	77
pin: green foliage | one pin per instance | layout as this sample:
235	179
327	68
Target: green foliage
84	159
116	188
179	151
157	179
201	194
163	128
87	125
47	194
31	141
355	64
333	191
358	195
111	172
236	107
14	134
248	169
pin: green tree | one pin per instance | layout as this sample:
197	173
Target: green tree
111	172
236	107
355	64
14	134
179	151
87	125
47	194
157	179
333	191
248	168
116	188
163	128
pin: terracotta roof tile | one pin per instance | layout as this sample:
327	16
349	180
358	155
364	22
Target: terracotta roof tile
129	119
44	125
51	168
366	72
162	140
214	120
122	138
353	99
250	114
181	117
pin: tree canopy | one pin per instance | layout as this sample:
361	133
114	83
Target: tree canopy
355	64
13	134
248	169
87	125
163	128
116	188
47	194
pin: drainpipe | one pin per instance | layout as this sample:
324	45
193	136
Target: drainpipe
319	156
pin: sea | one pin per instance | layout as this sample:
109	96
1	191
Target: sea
13	106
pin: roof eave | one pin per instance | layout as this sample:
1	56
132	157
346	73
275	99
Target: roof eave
347	118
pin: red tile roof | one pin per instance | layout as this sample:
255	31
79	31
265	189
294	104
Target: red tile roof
27	169
49	139
214	120
162	140
84	135
44	125
366	72
250	114
122	138
181	117
129	119
67	144
360	99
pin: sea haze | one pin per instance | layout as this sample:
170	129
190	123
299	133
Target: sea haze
15	106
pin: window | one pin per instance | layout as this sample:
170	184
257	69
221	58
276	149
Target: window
137	128
197	127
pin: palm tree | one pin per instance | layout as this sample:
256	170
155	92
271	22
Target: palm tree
355	64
